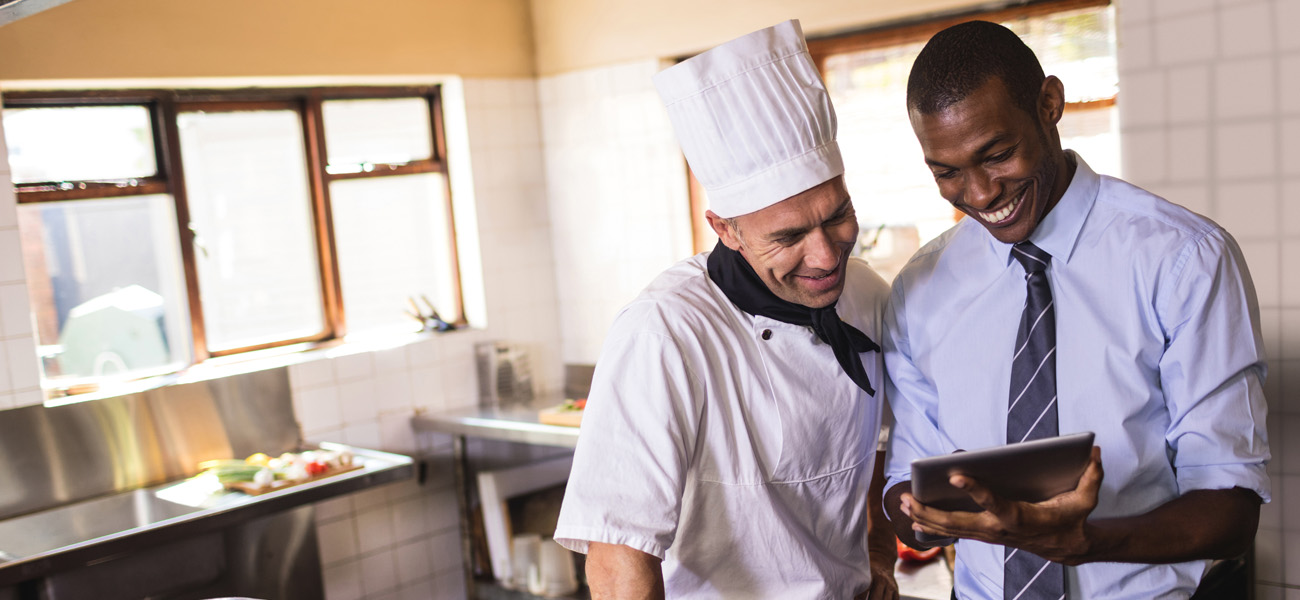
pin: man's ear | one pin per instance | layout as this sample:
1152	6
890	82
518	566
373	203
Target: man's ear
729	236
1051	101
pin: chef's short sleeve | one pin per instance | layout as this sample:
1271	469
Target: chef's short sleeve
635	445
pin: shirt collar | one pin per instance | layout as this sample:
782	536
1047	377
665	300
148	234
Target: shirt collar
1059	230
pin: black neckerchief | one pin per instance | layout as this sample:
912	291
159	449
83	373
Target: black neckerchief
731	272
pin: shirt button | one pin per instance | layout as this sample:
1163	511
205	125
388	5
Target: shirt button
767	334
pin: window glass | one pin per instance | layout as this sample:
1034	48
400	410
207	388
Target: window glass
79	144
107	288
361	133
250	208
394	242
897	202
1077	46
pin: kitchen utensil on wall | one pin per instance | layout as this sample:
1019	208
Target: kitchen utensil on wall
505	376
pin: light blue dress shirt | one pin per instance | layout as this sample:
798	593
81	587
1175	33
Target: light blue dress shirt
1158	352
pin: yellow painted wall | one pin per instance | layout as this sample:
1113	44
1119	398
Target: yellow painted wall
88	39
578	34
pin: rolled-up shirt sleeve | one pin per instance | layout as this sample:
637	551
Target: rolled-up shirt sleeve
1213	369
638	434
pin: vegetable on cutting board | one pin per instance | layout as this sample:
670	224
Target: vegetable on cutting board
908	554
568	413
260	473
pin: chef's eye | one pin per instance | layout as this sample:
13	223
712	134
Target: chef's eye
949	174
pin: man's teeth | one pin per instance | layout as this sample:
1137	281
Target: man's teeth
998	216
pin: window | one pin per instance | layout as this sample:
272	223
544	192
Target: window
898	205
164	227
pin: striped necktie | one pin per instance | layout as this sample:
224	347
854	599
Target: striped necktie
1031	413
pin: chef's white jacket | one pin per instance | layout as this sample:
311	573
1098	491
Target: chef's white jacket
731	446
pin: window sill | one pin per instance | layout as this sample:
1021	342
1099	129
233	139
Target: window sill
247	362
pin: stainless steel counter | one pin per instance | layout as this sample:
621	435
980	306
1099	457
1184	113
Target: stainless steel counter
512	424
44	543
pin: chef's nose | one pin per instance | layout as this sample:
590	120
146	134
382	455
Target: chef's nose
823	253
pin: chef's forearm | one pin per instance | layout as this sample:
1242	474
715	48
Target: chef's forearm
616	572
880	534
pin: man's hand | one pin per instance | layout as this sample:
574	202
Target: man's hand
616	572
1056	529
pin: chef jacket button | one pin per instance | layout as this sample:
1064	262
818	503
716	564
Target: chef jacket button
767	334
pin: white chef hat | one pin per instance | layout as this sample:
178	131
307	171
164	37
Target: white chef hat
753	119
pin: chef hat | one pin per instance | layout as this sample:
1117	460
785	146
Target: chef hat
753	119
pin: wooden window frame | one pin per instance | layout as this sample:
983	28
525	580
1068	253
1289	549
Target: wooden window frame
909	32
165	105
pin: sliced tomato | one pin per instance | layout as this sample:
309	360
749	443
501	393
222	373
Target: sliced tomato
581	404
907	553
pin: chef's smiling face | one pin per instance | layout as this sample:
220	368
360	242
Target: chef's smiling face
800	246
994	161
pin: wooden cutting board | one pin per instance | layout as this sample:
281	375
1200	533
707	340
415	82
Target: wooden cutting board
251	489
558	415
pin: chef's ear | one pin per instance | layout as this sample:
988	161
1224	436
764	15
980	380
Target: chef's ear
726	229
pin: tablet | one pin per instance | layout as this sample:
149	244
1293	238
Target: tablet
1028	471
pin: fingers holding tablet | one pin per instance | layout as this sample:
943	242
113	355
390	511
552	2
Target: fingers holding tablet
1035	495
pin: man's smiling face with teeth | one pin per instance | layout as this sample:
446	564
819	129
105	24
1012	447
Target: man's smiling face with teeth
995	162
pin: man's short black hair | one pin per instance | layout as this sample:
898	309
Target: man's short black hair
962	58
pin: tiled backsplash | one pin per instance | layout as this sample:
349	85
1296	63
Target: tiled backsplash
19	378
1210	118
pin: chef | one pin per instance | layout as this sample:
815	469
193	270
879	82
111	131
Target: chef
728	448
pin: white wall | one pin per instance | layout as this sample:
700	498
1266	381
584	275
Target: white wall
1209	95
616	183
19	375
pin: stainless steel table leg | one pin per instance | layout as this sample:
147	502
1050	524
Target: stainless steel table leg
461	470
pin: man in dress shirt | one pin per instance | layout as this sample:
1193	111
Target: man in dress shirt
728	448
1157	345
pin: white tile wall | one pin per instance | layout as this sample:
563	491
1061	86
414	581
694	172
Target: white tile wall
1189	153
1185	38
19	374
1245	88
1187	99
617	194
11	256
8	202
1245	149
1232	100
1240	29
